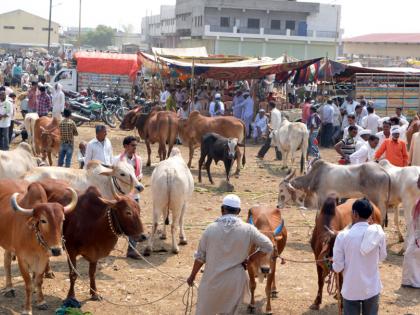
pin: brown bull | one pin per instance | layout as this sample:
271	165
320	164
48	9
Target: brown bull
30	227
269	222
156	126
331	218
46	137
412	128
192	130
92	229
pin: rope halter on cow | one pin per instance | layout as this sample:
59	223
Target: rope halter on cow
113	223
118	187
40	239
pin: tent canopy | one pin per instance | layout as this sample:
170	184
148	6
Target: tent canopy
181	52
107	63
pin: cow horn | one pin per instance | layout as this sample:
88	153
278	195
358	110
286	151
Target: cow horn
18	208
70	207
290	187
331	232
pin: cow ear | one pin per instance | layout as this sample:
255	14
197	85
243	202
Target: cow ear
31	223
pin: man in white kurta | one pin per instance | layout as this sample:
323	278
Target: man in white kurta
260	125
411	263
414	154
224	248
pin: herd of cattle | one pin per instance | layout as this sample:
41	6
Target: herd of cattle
47	209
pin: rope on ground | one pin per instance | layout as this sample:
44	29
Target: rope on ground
188	303
311	261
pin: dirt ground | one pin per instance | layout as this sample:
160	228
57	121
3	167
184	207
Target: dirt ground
126	281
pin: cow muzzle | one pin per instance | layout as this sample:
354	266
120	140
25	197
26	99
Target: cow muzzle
265	270
139	188
56	251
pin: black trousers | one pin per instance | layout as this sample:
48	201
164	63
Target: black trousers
264	149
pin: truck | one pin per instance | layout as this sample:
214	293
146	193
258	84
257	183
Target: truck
73	80
99	71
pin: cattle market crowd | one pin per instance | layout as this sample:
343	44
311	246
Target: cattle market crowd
377	168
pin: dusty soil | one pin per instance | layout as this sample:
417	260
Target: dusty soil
126	281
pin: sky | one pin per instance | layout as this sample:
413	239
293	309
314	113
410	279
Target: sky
358	16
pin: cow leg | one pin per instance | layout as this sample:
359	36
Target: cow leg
92	274
397	223
48	273
208	163
50	159
273	289
28	286
318	299
285	156
176	214
182	237
72	275
200	164
8	291
270	280
162	151
238	161
41	304
191	151
149	152
252	287
148	250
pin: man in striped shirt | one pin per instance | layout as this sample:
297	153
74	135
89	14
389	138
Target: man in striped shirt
43	105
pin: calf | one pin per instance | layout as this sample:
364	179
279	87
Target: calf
269	222
92	230
328	222
216	147
30	227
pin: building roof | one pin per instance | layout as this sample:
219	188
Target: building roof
19	11
411	38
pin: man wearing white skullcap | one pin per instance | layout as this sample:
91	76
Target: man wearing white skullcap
394	148
217	108
224	248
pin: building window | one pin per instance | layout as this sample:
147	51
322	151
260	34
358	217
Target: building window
253	23
290	25
46	29
28	28
8	27
275	24
224	21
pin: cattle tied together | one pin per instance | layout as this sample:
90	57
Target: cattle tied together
30	227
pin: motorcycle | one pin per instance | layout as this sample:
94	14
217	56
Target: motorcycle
91	110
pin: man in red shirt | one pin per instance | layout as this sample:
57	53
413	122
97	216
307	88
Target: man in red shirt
33	97
394	148
306	110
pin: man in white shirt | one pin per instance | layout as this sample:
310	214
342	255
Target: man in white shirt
99	148
371	121
399	114
164	95
352	122
385	133
347	108
58	101
6	110
217	108
247	112
275	123
260	125
357	253
366	153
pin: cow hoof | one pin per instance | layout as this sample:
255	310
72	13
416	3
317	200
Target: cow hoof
401	239
42	306
237	173
314	307
96	297
274	294
163	237
251	309
268	313
147	251
175	250
49	275
183	242
26	313
9	293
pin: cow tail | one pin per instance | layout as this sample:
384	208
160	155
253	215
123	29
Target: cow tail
243	156
168	185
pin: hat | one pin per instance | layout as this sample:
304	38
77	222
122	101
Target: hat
232	200
395	129
365	132
261	110
217	96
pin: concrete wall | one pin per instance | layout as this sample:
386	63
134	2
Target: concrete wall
327	19
383	50
19	19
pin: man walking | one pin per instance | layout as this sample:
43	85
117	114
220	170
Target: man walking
357	253
314	122
275	123
224	248
5	120
68	130
99	148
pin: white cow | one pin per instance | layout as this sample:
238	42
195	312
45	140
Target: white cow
120	178
15	163
290	137
29	123
172	186
404	189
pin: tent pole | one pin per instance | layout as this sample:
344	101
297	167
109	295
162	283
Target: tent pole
192	79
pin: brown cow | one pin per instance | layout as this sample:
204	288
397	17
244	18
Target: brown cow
269	222
46	137
92	229
156	126
30	227
192	130
331	218
412	128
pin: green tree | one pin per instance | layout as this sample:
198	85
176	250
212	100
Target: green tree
101	37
